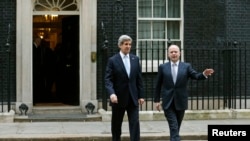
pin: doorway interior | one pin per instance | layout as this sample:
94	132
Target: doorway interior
56	77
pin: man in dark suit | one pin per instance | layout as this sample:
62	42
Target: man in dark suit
172	82
125	88
37	70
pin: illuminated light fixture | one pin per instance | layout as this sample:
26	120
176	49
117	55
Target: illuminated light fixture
50	18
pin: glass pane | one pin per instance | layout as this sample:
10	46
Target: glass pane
144	30
159	30
174	7
151	50
173	30
159	8
145	49
145	8
159	50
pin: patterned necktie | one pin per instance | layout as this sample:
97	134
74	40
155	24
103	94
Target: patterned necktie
126	64
174	67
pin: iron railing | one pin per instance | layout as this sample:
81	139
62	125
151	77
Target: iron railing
5	95
5	83
226	88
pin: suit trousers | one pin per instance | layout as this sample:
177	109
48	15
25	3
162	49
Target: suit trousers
174	118
133	119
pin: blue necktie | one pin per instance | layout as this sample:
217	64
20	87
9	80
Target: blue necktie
126	64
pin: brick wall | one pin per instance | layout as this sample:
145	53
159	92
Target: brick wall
8	59
216	20
118	19
238	13
204	20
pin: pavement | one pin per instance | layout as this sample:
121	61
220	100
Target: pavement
195	130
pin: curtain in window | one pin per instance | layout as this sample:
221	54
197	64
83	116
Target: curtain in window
145	8
173	29
144	30
174	8
158	29
159	8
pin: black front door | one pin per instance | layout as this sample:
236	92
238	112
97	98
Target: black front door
69	79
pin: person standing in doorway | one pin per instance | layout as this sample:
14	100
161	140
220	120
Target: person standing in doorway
37	70
123	82
171	83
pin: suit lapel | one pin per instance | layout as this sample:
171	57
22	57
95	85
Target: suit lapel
169	72
133	63
180	68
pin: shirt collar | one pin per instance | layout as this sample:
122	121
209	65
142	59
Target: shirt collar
122	54
177	63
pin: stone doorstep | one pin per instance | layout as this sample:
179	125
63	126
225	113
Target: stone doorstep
190	115
57	117
55	114
144	116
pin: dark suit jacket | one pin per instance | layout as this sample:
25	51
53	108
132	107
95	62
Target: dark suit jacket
117	81
178	91
37	69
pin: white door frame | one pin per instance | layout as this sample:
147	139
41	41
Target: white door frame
87	45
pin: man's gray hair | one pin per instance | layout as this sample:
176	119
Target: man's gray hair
124	38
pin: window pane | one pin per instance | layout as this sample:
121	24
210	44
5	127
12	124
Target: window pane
173	30
159	50
174	8
144	50
159	30
151	50
145	8
159	8
144	30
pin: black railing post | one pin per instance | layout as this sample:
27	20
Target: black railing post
7	45
227	75
2	82
169	43
235	61
104	60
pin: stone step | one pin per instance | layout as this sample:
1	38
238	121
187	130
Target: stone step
57	118
57	113
56	110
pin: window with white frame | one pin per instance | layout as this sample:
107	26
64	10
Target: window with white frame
158	22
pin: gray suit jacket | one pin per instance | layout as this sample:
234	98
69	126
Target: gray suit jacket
169	91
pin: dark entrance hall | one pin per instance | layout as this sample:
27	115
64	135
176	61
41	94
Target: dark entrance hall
56	60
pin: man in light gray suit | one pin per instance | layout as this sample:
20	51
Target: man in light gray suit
172	82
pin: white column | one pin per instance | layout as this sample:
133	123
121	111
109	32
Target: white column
24	54
88	25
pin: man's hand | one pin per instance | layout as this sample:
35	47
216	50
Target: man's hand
158	106
208	72
141	101
113	98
